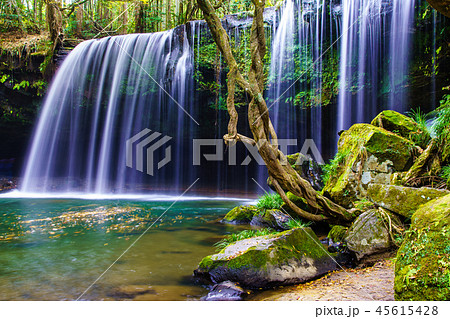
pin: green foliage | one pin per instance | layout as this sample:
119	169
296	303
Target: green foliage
442	120
297	223
422	120
270	201
22	85
445	173
229	239
331	168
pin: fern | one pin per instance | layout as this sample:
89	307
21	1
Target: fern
229	239
270	201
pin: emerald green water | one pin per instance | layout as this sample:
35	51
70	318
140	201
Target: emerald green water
54	249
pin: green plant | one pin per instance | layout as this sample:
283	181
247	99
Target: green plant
422	120
229	239
445	173
297	223
331	168
270	201
442	119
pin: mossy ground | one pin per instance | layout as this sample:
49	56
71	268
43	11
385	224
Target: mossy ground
422	270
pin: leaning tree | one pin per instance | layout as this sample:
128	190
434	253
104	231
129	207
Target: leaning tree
281	175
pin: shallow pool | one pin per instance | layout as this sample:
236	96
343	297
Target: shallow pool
55	249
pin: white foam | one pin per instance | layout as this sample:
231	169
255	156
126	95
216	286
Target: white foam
138	197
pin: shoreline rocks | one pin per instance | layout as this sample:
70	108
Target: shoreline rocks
289	257
402	200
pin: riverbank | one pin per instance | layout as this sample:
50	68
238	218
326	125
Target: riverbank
369	283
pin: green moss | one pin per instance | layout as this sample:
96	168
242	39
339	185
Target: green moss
287	245
206	263
241	214
422	269
337	233
403	126
359	144
402	200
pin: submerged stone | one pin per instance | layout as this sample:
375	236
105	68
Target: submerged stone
402	200
370	233
226	291
290	257
422	268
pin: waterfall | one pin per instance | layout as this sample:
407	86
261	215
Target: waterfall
302	46
105	92
332	63
374	58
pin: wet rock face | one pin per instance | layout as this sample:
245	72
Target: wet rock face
423	261
402	200
290	257
226	291
370	155
369	233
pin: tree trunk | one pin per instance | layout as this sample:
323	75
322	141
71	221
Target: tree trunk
79	18
281	175
54	21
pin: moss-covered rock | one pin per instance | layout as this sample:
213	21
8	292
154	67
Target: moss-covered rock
370	233
337	233
272	218
400	124
241	215
422	268
402	200
371	155
290	257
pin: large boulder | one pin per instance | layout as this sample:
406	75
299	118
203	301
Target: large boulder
400	124
241	215
402	200
422	268
371	233
370	154
290	257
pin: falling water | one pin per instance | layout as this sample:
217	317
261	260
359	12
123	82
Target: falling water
109	90
92	109
375	53
302	44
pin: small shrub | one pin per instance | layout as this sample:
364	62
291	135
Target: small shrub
422	121
331	168
270	201
297	223
229	239
445	173
442	119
